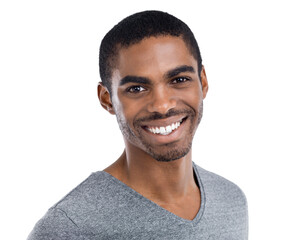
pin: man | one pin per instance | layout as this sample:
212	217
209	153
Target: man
154	82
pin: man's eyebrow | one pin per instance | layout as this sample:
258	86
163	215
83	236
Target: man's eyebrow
174	72
134	79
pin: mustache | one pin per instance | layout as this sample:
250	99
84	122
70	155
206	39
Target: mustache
170	113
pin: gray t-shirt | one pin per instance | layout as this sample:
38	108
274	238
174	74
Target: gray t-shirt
102	207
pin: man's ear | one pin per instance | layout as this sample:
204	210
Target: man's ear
204	81
105	98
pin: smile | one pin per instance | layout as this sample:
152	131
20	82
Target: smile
165	130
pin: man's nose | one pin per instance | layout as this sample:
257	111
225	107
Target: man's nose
162	101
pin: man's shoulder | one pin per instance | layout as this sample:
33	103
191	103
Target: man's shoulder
56	225
78	208
87	192
218	188
225	203
97	194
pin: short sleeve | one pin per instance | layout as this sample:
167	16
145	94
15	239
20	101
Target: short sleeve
56	225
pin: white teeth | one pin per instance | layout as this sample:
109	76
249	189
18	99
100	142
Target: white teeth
168	128
164	130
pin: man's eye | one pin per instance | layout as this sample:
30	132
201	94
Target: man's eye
180	80
135	89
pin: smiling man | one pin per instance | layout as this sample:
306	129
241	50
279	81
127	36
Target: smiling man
154	82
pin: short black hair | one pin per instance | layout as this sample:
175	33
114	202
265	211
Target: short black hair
134	29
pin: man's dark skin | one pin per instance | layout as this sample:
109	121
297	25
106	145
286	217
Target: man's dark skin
162	77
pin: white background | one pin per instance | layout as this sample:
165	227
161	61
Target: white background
54	133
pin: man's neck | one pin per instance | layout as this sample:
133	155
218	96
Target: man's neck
163	182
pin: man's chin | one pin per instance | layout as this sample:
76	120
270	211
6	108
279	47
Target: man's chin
170	156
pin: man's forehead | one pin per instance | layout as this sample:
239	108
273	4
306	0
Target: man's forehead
150	43
163	52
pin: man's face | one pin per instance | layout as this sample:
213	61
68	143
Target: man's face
157	97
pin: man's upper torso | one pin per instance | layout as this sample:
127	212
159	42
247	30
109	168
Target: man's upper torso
102	207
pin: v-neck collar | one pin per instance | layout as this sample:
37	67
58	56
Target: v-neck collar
193	222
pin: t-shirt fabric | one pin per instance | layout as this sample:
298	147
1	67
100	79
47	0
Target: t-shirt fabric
103	207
